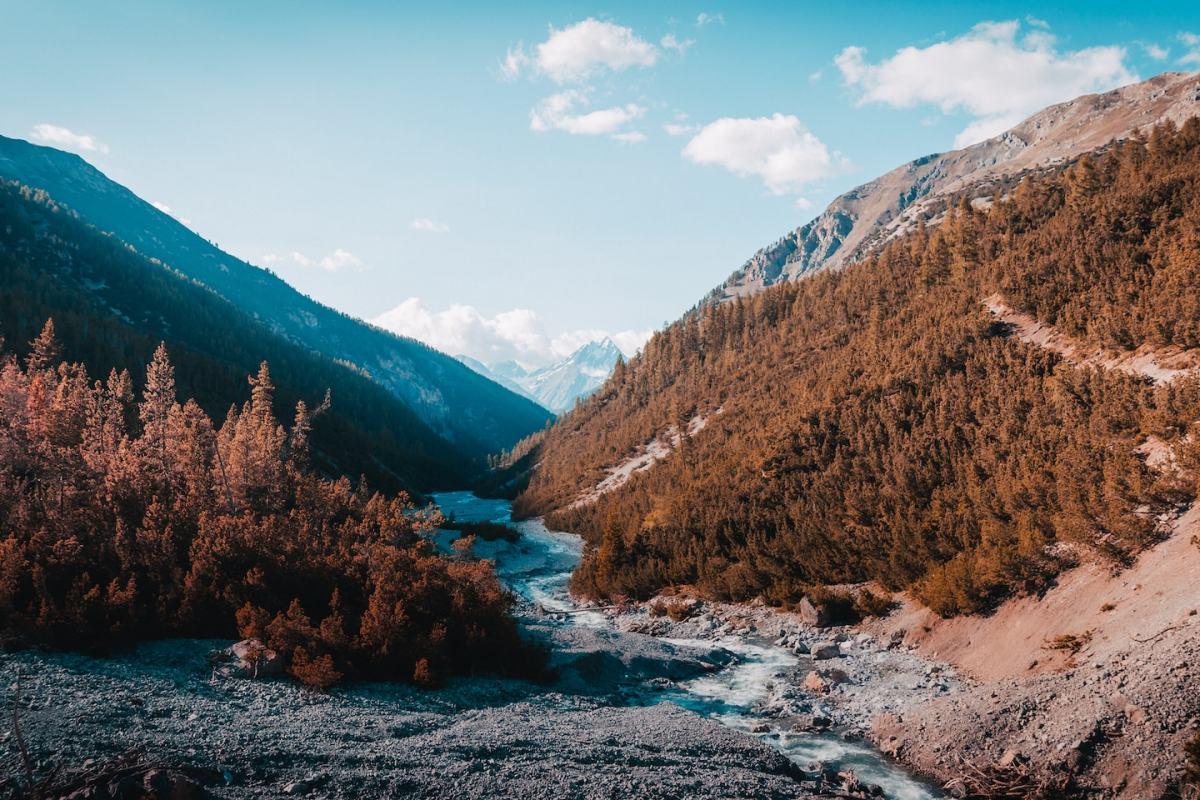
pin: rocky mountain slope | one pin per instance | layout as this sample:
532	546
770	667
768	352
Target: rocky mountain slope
864	217
477	415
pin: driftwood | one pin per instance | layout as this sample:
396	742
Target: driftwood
1157	635
1013	781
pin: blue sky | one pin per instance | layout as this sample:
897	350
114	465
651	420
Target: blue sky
509	182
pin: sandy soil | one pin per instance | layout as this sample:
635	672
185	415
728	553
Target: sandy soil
1107	709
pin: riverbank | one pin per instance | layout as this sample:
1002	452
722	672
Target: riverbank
630	715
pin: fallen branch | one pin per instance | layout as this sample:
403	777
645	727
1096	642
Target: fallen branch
1160	633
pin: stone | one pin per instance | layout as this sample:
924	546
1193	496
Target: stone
166	785
826	650
813	682
813	615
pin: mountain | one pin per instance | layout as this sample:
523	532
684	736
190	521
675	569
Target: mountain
506	374
961	414
475	414
865	217
556	386
112	306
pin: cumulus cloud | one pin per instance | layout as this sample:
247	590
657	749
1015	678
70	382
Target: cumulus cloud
778	149
66	139
704	18
580	51
1192	42
517	335
991	72
336	261
427	225
562	112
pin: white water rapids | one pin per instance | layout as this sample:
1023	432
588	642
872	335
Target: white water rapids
538	568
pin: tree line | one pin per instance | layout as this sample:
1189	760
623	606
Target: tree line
127	517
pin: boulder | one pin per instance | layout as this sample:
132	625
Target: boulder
826	650
813	682
813	615
162	784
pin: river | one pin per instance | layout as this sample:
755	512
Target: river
538	567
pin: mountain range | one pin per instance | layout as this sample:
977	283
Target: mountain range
560	385
474	415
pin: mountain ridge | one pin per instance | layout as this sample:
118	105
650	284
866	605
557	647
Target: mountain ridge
859	221
462	406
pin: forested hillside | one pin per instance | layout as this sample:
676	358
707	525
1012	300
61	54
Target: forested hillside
111	307
478	416
124	519
877	424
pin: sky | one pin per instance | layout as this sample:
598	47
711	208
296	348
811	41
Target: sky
510	182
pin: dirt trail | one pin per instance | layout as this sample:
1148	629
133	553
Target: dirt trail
646	457
1159	364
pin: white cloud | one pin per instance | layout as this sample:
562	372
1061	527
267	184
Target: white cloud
428	225
671	42
630	137
515	61
336	261
558	112
580	51
679	129
166	209
778	149
66	139
988	73
1192	42
518	334
704	18
1156	52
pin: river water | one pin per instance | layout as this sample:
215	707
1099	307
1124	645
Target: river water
538	568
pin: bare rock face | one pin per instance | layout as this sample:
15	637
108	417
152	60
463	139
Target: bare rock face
863	219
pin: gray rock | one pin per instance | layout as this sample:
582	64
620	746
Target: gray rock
822	651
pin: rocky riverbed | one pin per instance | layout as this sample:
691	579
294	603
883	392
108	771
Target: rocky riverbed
723	704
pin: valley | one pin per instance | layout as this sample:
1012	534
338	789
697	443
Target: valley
907	507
